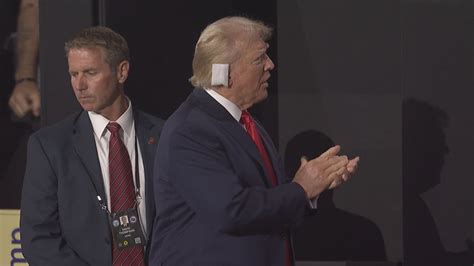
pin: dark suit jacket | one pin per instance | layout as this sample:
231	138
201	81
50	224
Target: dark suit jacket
61	221
214	202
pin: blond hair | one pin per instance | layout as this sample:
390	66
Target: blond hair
114	45
221	43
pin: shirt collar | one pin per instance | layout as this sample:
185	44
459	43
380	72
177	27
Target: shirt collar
99	123
231	107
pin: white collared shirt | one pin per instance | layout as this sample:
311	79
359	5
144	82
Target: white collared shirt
236	113
127	134
231	107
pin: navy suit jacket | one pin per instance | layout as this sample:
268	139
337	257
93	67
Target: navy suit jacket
214	203
61	220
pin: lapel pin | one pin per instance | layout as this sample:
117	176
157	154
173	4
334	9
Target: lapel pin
151	140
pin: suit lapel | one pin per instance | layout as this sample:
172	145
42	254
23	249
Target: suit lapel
231	126
147	143
84	144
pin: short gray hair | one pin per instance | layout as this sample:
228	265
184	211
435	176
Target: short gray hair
221	43
114	44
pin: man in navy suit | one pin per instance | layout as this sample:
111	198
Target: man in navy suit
221	194
67	191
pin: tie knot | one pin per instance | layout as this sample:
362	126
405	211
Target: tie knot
113	127
245	118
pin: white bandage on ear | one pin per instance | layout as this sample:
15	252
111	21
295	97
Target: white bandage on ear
220	75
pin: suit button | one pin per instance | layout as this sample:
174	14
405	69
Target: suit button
283	235
107	240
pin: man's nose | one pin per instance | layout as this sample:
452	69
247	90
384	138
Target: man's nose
269	64
81	83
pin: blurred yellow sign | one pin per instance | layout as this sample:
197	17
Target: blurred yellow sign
10	246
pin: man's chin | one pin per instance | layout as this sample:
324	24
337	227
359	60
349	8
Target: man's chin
88	107
263	94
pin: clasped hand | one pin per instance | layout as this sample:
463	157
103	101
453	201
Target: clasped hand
327	171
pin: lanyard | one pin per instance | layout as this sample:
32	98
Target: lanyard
102	204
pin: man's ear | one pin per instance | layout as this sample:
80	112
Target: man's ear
220	75
122	71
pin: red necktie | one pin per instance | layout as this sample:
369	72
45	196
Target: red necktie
249	124
122	192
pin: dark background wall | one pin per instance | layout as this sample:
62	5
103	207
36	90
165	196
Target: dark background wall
340	74
390	81
438	131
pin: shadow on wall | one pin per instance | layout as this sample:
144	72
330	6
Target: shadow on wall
424	150
330	234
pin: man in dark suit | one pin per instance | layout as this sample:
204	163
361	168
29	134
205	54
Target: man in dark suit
221	194
93	169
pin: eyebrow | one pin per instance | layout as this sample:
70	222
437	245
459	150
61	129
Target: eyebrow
82	70
262	50
267	46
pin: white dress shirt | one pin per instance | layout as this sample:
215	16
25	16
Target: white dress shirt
127	134
235	111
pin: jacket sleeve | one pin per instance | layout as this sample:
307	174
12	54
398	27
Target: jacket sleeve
41	236
202	173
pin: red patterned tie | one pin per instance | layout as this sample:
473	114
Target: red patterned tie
122	192
249	124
